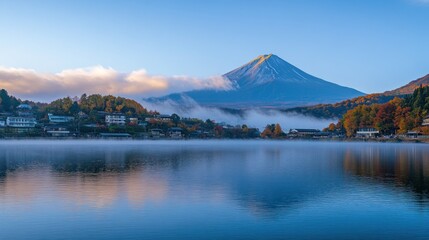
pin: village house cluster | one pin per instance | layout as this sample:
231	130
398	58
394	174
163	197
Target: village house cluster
25	122
21	121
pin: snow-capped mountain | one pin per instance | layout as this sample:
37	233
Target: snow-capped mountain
268	81
266	69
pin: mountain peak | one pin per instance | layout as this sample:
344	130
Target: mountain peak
269	81
264	57
265	69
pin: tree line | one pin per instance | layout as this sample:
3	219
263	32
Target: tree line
95	103
8	103
337	110
397	116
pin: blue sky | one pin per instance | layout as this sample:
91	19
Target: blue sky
372	45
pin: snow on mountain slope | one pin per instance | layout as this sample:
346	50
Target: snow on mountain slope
269	68
268	81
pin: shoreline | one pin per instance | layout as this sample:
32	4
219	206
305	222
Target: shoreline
345	140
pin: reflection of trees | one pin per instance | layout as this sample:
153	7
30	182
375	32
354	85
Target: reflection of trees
84	176
103	189
3	167
402	165
93	175
98	191
265	180
94	160
22	186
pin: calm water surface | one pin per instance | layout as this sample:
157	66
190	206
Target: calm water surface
213	190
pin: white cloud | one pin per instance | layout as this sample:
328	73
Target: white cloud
30	84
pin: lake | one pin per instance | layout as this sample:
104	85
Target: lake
213	190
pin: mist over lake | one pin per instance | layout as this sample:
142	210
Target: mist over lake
213	189
253	117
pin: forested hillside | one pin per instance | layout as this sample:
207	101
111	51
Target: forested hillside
410	87
399	115
93	103
337	110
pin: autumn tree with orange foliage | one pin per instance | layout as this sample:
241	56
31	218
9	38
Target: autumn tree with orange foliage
267	133
396	116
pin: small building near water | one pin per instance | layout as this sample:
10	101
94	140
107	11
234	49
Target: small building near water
156	133
21	122
175	132
412	134
301	132
367	132
57	131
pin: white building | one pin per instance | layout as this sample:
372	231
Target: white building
175	132
425	121
2	123
304	132
21	122
159	118
116	119
134	121
57	131
59	119
367	132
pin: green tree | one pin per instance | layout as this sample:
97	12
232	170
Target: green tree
74	109
5	101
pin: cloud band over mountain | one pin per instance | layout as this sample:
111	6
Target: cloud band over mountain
34	85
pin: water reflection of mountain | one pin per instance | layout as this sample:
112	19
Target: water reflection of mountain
265	179
405	166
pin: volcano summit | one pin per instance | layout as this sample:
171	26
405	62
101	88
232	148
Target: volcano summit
267	81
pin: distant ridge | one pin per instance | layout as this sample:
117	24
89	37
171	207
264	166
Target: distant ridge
410	87
337	110
268	81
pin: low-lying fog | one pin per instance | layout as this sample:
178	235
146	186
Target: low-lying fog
258	118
